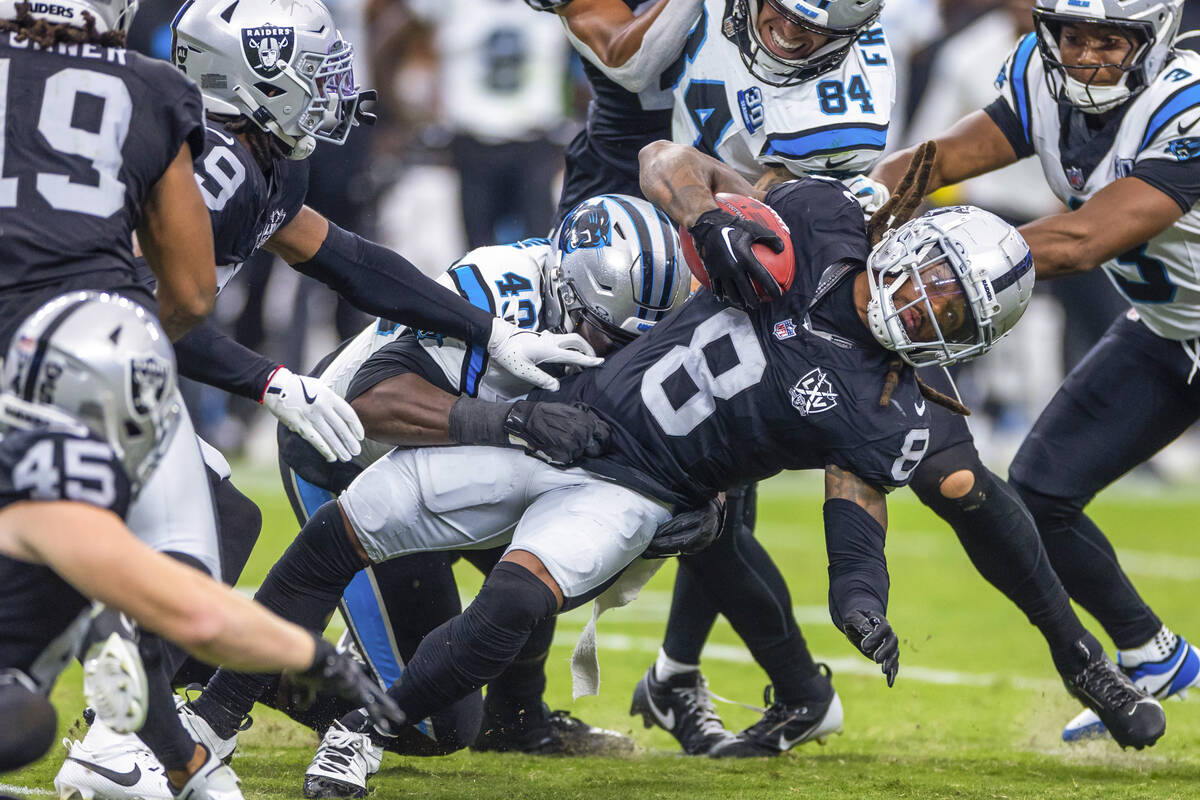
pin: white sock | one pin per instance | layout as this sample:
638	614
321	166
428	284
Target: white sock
666	667
1157	649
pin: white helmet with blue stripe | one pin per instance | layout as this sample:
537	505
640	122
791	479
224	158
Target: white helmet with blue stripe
616	264
946	286
1149	25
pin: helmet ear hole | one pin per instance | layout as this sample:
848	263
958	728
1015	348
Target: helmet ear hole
132	429
270	90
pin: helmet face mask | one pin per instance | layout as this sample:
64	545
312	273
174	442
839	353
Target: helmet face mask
840	21
282	65
617	266
1148	26
946	286
99	362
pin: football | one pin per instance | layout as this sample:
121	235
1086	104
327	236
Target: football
781	265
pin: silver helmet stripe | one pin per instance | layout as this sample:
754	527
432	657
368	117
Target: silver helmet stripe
647	253
43	344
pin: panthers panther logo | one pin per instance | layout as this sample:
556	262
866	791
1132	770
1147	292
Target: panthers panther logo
589	226
268	49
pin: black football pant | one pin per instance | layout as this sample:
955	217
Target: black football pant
592	170
1129	398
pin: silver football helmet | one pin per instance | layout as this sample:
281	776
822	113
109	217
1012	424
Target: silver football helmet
616	264
110	15
101	361
841	20
948	285
282	63
1150	25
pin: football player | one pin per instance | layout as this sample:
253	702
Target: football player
776	95
287	84
710	398
1099	94
88	408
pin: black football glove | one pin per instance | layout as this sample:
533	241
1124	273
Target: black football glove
338	673
558	433
688	532
873	636
724	242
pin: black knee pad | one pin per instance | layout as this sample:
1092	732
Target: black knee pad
29	722
934	469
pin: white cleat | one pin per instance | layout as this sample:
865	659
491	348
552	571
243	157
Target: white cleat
203	733
114	684
112	766
342	765
213	781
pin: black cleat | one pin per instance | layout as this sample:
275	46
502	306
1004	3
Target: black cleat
682	706
1134	718
552	733
782	727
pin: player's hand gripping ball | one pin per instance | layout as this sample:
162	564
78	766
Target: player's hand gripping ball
741	251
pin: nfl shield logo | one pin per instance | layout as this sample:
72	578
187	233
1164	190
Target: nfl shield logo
1075	178
785	329
268	49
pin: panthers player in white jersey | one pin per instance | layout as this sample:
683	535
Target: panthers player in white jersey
740	95
1101	96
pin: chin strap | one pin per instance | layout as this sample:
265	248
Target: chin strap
300	147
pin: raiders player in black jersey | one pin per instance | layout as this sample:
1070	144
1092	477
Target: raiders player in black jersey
79	442
712	397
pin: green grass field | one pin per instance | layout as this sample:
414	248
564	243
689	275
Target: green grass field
975	713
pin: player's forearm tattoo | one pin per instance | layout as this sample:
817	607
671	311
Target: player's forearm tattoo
848	486
773	176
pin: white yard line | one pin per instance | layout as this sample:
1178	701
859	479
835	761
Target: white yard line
25	791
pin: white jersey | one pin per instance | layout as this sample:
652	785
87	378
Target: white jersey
1162	277
506	280
835	124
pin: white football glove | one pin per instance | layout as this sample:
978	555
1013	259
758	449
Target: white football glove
520	351
313	410
870	194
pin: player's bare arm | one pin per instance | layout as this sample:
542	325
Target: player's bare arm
681	180
974	145
1118	218
176	238
406	410
855	524
774	175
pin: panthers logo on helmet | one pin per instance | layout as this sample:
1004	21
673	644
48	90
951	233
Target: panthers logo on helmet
590	226
147	382
268	49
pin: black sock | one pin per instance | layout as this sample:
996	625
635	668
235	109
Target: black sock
163	733
466	652
999	536
1087	564
515	695
303	587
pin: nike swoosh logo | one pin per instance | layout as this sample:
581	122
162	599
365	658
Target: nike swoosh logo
831	164
304	391
120	778
666	720
728	246
1184	129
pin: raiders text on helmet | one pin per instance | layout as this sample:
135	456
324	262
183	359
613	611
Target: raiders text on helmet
282	63
1149	25
110	15
101	361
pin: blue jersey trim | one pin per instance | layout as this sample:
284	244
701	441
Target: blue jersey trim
1173	106
470	285
829	139
1020	88
370	628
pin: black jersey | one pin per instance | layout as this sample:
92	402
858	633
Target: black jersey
38	608
85	133
246	205
713	397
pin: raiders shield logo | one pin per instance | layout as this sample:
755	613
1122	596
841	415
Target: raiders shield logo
813	393
268	49
147	382
590	226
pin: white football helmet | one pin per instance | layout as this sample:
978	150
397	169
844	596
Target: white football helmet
282	63
111	15
1150	26
841	20
616	264
948	285
101	361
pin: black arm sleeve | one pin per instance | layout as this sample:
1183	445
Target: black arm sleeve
858	576
399	357
207	355
1178	180
1008	123
385	284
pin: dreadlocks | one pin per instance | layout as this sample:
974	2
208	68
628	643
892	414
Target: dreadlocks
47	34
892	214
264	146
